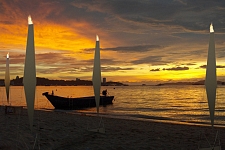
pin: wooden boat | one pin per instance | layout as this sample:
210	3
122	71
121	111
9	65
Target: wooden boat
76	103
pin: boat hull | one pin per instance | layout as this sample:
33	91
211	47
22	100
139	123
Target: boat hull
76	103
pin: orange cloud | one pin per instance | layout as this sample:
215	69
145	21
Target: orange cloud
57	37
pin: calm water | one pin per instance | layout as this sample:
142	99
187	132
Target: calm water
181	103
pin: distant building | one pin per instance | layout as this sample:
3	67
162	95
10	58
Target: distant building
77	79
104	80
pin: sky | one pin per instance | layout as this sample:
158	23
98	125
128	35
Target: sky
147	41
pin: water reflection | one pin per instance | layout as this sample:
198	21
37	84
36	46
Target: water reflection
180	103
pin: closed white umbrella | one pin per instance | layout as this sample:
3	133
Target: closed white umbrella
29	78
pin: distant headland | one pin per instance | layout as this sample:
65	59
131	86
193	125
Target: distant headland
47	82
201	82
78	82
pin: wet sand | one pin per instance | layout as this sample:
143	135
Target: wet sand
60	130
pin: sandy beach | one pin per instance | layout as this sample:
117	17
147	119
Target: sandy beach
60	130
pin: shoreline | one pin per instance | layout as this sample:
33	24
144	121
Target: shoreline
133	117
126	117
63	130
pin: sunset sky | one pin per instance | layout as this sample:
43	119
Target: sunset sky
142	41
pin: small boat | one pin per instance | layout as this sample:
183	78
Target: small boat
76	103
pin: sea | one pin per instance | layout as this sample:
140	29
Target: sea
174	103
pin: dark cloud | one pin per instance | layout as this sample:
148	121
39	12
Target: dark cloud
218	66
50	70
154	60
158	69
54	58
81	70
176	68
104	62
61	62
203	66
138	48
54	11
129	49
191	14
189	64
220	51
112	69
111	62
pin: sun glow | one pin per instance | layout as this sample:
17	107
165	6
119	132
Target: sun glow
7	56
